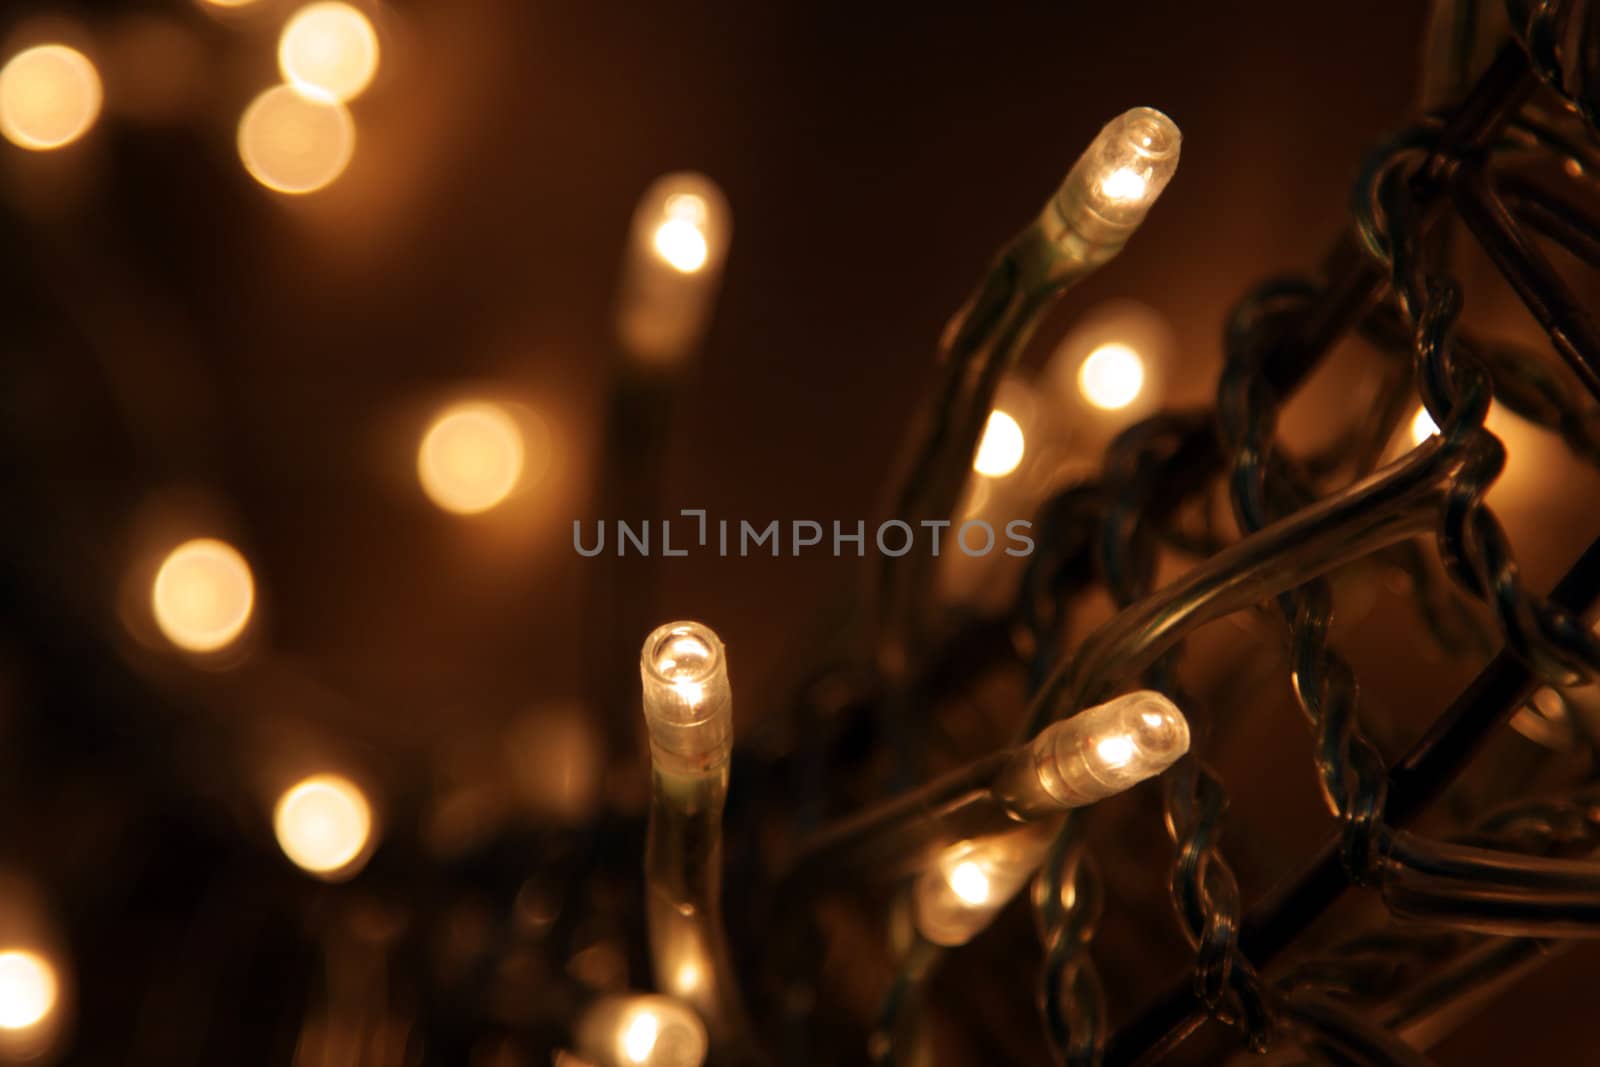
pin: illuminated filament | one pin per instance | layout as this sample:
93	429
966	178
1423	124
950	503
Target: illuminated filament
1001	450
324	825
1111	377
1114	183
49	97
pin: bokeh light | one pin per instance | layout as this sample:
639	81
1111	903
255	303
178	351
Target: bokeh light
471	457
203	595
324	825
328	50
1002	447
1111	376
969	883
293	144
49	97
1422	426
28	989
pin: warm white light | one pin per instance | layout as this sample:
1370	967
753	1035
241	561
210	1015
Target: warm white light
203	595
28	989
1106	749
1422	426
680	243
323	824
293	144
639	1036
1124	183
970	883
1002	447
1111	376
471	458
1117	750
328	51
49	97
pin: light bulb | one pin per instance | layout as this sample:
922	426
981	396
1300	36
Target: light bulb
294	144
1111	376
643	1030
471	457
1107	749
324	825
673	267
688	704
203	595
28	989
972	881
1001	450
328	51
1114	183
49	97
1422	426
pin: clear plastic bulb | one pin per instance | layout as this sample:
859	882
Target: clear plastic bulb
1109	748
971	881
688	705
1112	186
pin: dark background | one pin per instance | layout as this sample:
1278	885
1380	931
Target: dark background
183	347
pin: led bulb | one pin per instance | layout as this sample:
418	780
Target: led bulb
971	881
1107	749
328	51
1117	179
688	705
673	267
1111	377
1001	450
641	1031
203	595
49	97
1422	426
28	989
324	826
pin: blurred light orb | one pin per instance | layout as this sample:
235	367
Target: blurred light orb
203	595
969	883
1001	450
28	989
49	97
323	824
328	50
471	458
294	144
1422	426
1111	376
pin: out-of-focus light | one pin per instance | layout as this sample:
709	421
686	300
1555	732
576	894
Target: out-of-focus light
644	1030
328	50
673	268
203	595
1422	426
28	989
969	882
324	825
294	144
680	243
639	1036
471	458
1002	447
1111	376
49	97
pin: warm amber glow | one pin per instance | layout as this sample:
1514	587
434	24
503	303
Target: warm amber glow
970	883
471	458
639	1036
328	51
681	244
1000	452
1125	184
1114	751
323	824
203	595
49	97
1422	426
293	144
28	989
1111	377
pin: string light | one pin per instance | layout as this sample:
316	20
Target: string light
328	51
1001	450
471	457
49	97
1104	750
294	144
1422	426
973	880
643	1030
1111	377
673	267
324	826
1114	183
203	595
688	704
28	989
